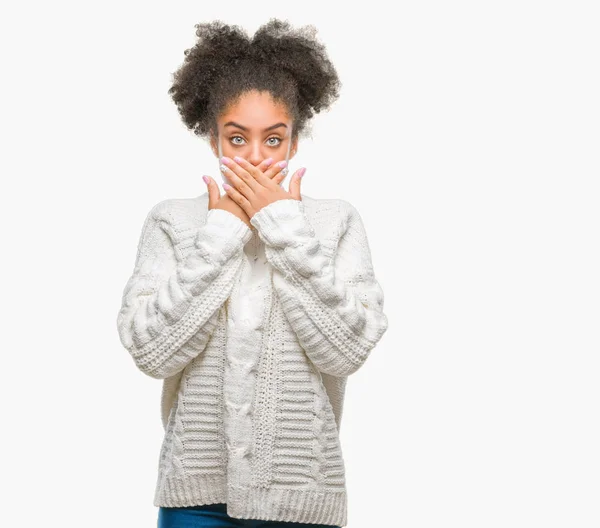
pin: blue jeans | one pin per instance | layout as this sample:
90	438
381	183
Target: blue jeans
215	516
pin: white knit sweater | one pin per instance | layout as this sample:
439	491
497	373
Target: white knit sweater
253	332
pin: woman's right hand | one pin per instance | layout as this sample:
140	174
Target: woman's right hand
225	202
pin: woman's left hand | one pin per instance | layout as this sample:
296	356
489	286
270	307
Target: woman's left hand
252	189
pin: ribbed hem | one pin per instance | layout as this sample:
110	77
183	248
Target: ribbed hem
192	491
230	224
282	223
288	505
268	504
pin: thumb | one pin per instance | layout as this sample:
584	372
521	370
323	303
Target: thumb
213	191
294	188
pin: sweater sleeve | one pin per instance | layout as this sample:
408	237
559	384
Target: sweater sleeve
170	303
334	304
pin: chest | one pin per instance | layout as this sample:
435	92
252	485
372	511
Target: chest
249	301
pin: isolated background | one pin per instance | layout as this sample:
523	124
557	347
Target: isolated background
466	135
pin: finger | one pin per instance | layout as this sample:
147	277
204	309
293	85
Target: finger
244	170
279	177
275	169
258	176
294	188
213	191
239	199
265	164
240	184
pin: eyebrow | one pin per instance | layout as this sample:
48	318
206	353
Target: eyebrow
233	123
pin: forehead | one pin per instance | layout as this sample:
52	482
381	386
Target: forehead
255	110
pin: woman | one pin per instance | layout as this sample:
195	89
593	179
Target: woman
253	307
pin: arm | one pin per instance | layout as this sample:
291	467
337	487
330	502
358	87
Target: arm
171	301
335	305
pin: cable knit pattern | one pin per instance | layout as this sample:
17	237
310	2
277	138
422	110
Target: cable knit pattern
254	334
334	304
170	302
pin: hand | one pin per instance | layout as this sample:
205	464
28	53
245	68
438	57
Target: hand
225	202
252	189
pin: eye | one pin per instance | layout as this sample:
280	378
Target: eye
276	144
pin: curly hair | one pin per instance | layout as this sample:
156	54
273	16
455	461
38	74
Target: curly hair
225	63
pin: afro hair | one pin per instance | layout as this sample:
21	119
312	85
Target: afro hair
225	62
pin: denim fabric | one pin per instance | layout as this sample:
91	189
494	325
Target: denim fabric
215	516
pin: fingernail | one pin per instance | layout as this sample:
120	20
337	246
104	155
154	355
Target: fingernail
226	187
301	172
237	159
225	160
282	163
206	180
268	162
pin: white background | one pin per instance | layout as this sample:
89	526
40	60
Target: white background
466	135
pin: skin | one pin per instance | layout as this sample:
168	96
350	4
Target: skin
252	156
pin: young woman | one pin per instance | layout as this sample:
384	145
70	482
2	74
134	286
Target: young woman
255	306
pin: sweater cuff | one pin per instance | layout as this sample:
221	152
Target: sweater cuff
282	223
228	225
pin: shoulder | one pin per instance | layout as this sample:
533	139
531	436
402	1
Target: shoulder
177	211
336	213
324	207
178	219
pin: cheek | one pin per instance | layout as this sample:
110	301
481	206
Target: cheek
229	151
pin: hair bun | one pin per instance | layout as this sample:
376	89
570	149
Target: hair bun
299	53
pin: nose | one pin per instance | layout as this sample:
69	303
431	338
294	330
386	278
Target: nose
256	154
